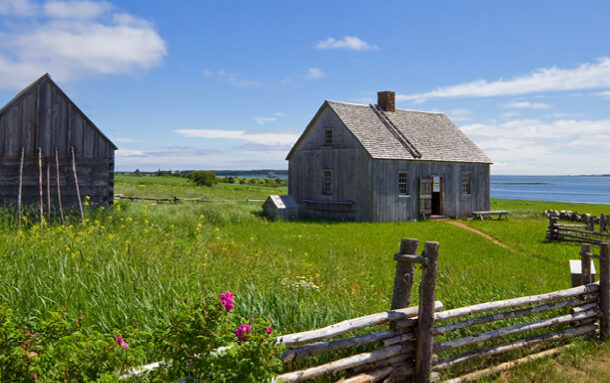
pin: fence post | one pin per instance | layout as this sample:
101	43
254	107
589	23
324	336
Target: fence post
585	262
403	281
553	234
425	321
604	288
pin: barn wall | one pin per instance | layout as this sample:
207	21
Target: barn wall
43	117
388	205
95	179
349	163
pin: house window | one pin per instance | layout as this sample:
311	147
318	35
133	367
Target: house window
327	181
403	183
466	183
328	136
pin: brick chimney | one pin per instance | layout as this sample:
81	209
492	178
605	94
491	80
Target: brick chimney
385	100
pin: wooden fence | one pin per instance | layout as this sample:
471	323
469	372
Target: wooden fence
575	232
178	199
409	348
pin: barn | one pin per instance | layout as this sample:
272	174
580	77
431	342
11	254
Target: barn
48	144
378	163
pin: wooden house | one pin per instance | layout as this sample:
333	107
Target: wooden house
42	122
379	163
282	207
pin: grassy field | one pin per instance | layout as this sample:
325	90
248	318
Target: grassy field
131	264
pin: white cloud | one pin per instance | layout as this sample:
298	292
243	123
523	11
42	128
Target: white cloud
511	114
207	73
531	146
586	76
17	8
235	79
460	114
186	157
605	94
348	42
75	9
263	120
526	105
261	138
315	73
93	41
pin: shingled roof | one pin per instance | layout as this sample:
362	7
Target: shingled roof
405	134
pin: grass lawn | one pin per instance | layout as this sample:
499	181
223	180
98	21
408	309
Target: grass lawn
133	263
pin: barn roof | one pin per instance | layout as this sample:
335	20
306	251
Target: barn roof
47	77
403	134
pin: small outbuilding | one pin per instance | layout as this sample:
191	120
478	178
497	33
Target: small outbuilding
282	207
379	163
44	136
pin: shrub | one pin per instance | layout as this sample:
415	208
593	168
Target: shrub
202	178
204	342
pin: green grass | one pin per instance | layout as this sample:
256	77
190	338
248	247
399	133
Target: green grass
133	263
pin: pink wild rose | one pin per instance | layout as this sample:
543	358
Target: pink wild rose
242	332
122	343
227	300
269	330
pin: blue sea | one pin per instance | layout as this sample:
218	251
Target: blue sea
580	189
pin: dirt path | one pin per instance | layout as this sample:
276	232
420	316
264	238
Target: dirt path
486	236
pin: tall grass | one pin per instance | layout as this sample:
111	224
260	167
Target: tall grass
133	263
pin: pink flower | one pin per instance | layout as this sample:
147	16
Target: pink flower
122	343
269	330
35	377
227	300
242	332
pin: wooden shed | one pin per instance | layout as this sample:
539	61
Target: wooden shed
379	163
42	121
282	207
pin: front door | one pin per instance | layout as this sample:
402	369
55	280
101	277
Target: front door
425	197
437	195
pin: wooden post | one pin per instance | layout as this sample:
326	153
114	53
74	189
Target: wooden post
403	281
604	288
425	321
40	186
61	209
585	268
80	202
553	233
20	189
48	189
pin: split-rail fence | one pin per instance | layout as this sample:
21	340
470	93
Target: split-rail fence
422	341
577	233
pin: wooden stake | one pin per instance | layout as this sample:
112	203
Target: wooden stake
48	189
61	209
403	280
20	189
585	267
80	202
604	289
40	186
425	338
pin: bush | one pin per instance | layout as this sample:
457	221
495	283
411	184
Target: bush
202	178
202	342
205	343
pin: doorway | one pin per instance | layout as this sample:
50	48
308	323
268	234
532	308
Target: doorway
437	195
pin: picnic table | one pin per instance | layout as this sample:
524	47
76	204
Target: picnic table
482	214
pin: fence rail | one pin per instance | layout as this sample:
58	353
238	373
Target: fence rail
575	233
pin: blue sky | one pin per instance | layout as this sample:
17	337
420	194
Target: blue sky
231	85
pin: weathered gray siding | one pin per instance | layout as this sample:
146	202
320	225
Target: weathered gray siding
42	116
350	166
388	205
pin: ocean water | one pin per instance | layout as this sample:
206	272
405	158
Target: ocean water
553	188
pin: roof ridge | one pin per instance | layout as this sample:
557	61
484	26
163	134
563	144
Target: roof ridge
395	132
